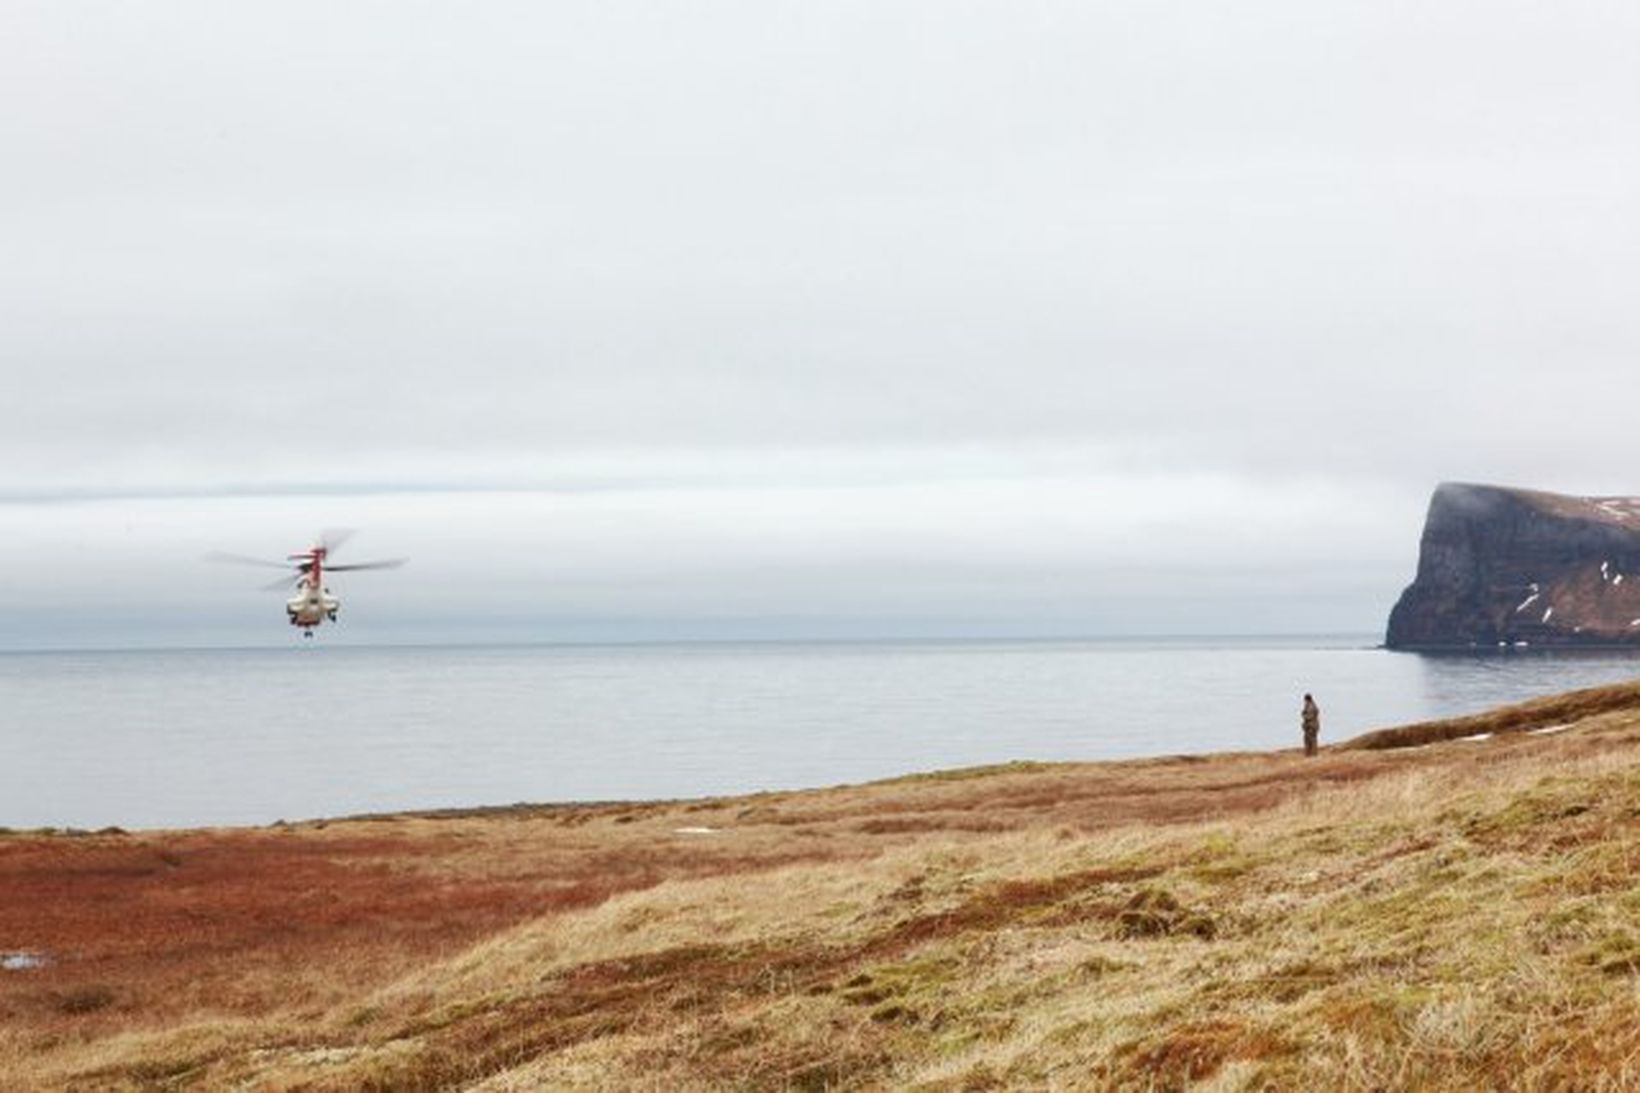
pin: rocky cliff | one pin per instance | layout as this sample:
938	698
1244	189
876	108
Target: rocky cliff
1508	566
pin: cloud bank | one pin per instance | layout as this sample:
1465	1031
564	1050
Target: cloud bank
861	317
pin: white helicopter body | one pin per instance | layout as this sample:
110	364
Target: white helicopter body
313	604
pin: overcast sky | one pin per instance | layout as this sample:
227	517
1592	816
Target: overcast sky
766	318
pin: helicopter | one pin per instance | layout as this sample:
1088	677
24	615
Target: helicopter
313	602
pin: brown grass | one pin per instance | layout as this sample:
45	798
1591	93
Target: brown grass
1542	713
1456	916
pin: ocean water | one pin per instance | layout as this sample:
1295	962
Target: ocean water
210	737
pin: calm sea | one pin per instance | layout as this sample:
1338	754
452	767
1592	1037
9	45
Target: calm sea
187	738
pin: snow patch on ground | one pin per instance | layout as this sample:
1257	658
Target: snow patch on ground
23	961
1550	729
694	831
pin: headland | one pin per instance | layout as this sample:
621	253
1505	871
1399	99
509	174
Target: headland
1499	566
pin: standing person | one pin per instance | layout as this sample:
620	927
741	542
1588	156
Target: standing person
1311	719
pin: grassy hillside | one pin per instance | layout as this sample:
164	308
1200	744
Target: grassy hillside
1461	914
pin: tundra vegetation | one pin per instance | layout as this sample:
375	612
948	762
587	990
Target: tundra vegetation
1453	906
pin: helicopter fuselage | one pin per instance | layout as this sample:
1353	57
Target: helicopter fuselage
313	603
311	606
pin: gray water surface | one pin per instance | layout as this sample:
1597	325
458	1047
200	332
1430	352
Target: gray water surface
189	738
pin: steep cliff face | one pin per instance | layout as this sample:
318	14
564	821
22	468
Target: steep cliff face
1501	565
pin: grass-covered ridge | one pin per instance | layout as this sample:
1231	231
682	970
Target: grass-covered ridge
1458	915
1535	716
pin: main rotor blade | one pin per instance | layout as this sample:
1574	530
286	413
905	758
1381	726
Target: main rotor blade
244	559
331	538
390	563
282	583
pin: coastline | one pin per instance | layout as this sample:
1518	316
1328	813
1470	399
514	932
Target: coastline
1361	918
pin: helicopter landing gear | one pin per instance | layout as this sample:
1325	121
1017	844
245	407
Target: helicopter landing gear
307	633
